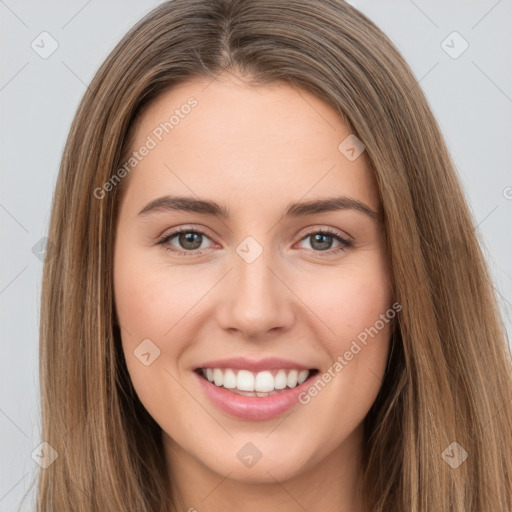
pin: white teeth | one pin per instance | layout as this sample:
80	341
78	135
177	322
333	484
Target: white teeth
280	380
264	382
245	381
255	384
291	380
229	379
303	375
218	378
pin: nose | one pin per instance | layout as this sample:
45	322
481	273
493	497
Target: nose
255	300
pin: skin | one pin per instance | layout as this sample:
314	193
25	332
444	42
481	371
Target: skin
244	147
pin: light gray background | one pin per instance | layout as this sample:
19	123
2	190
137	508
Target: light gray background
471	97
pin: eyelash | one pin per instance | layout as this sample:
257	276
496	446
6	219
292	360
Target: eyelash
345	244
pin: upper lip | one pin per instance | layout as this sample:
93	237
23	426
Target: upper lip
242	363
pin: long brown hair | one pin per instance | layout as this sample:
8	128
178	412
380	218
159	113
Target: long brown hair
449	377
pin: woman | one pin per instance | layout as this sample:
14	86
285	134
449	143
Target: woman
331	343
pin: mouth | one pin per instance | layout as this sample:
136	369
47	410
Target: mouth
260	384
252	389
254	395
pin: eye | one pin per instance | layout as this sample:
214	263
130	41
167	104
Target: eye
191	241
321	241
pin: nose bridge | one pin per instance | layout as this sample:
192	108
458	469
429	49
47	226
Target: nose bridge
258	300
256	284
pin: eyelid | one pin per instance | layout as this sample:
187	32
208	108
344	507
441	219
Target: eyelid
308	230
316	228
184	228
344	239
196	228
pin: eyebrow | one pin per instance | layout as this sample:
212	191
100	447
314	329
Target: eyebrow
299	209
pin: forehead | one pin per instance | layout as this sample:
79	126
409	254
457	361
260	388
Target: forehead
256	141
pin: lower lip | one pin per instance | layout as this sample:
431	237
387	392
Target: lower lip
252	407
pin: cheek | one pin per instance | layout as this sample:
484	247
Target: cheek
147	304
147	308
361	308
357	307
352	300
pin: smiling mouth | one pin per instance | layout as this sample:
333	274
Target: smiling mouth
256	384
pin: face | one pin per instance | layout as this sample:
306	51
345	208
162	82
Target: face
256	292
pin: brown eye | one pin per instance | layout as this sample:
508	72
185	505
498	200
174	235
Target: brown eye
322	241
188	241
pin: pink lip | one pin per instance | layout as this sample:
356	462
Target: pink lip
269	363
249	407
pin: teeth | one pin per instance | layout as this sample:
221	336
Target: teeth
229	379
264	382
244	381
302	376
280	380
218	378
255	384
291	380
